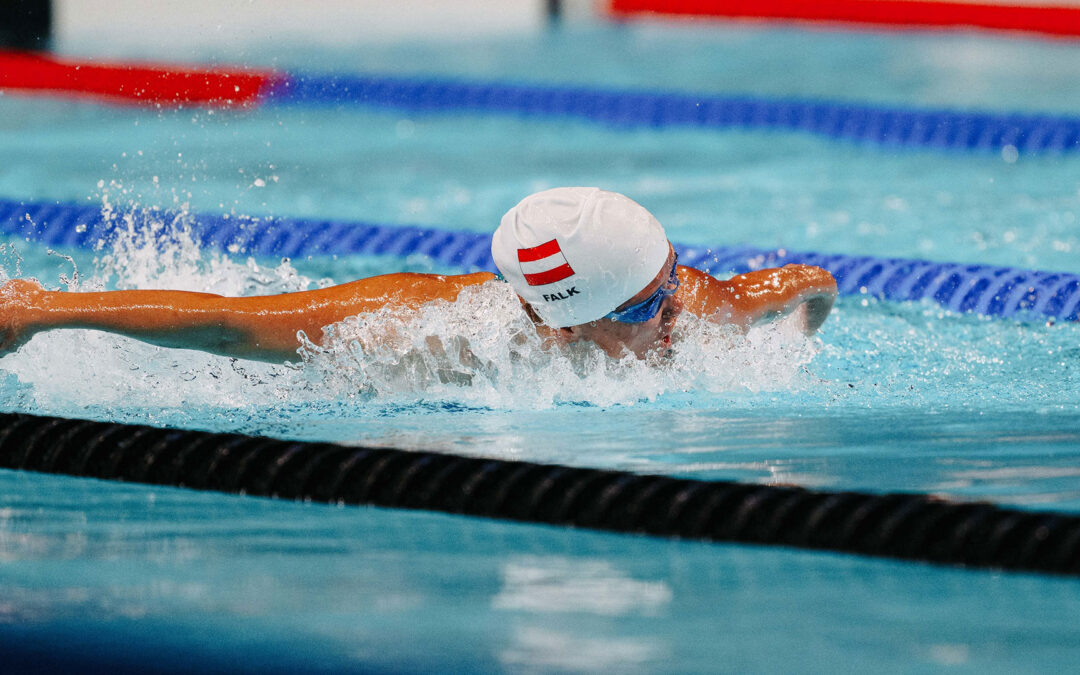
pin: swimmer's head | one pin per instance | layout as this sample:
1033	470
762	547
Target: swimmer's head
576	254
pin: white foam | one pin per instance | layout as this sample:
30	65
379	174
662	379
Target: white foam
487	353
68	370
479	351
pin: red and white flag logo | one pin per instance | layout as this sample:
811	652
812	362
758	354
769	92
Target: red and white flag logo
544	264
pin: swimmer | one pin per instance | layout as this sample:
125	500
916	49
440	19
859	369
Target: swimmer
587	264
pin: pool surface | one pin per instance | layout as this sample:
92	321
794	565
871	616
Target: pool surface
888	397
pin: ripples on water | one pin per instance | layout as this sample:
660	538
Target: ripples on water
481	352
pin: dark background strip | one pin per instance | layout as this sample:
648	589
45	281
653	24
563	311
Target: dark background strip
907	526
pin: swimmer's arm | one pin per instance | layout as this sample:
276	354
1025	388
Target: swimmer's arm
258	327
752	298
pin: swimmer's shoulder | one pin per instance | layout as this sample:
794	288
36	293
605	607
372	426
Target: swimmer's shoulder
456	280
700	292
692	276
474	279
411	288
417	285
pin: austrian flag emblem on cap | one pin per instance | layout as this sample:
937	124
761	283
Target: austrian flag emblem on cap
544	264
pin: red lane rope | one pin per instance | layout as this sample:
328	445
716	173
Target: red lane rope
133	84
1050	20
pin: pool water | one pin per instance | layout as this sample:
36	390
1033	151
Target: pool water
888	397
125	575
707	187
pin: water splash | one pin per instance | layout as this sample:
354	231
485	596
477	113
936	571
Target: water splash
76	372
881	355
478	352
482	350
155	249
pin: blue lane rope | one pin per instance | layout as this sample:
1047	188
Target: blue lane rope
940	129
982	289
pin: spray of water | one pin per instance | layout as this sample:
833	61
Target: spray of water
482	350
478	351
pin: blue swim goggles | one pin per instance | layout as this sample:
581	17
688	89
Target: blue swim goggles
647	308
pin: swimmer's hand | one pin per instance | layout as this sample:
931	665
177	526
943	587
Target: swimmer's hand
18	298
815	309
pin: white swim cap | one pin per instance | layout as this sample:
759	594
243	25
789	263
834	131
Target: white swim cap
577	253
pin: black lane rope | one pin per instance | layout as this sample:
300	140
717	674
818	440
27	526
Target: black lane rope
906	526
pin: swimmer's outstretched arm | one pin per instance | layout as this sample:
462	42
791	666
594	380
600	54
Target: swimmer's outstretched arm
747	299
258	327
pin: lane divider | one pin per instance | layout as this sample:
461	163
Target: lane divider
1059	19
919	527
891	127
876	125
982	289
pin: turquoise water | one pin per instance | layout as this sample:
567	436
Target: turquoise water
132	574
764	189
887	397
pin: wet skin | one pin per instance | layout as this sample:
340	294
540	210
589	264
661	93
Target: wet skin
265	327
615	337
742	301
